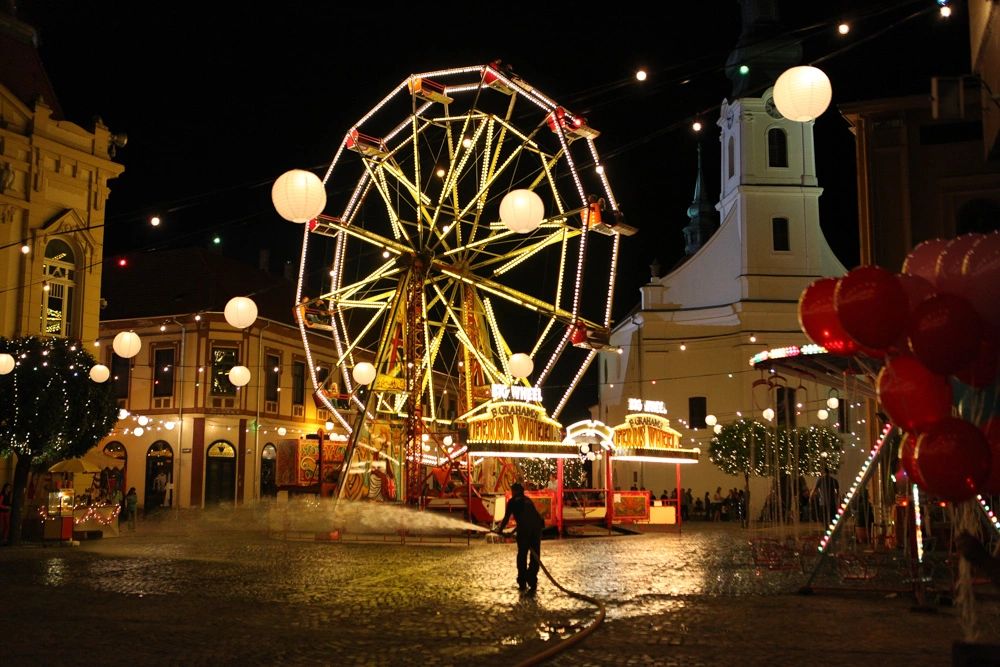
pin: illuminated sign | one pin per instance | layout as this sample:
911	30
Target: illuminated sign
503	392
646	431
640	405
514	422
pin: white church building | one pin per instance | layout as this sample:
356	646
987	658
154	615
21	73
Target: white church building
689	341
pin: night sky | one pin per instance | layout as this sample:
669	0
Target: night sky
219	98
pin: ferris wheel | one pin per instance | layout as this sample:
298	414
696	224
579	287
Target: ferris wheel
473	221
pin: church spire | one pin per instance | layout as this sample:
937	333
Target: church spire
703	218
761	54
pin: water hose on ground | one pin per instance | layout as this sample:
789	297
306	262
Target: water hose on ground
564	644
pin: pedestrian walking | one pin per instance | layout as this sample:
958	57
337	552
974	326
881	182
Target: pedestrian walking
131	506
529	537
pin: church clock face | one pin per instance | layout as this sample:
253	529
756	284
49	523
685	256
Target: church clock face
772	110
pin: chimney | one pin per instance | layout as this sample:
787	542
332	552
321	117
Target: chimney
264	260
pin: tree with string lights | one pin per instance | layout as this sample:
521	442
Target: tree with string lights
51	407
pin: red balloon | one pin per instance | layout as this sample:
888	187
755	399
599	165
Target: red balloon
912	396
944	333
917	289
954	458
922	260
818	318
906	451
991	430
983	370
948	271
982	278
871	306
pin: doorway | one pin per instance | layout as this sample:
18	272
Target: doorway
268	458
220	473
159	477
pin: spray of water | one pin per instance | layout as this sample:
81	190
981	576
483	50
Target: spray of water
324	515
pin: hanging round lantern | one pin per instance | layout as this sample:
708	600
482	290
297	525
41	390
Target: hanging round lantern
298	195
711	420
7	364
768	414
282	431
143	420
138	431
239	376
328	426
100	373
127	344
521	365
717	428
169	425
241	312
822	414
522	211
448	441
833	402
802	93
123	413
363	373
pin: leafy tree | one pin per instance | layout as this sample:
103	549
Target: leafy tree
50	409
747	447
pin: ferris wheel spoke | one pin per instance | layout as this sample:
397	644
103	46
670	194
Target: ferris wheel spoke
375	319
466	341
573	384
515	257
501	344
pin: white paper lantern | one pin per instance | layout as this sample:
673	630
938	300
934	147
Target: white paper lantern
298	195
7	364
711	420
100	373
328	426
241	312
169	425
717	428
282	431
833	402
448	440
768	414
822	414
239	376
521	365
123	413
522	211
802	93
363	373
127	344
138	431
143	420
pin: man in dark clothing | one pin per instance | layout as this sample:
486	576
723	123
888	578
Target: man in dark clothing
529	536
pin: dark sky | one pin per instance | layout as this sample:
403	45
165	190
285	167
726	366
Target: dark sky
219	98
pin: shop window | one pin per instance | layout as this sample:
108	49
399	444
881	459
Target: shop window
59	290
779	235
697	410
163	372
223	360
777	147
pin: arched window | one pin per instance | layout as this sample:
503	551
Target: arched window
59	290
731	154
777	147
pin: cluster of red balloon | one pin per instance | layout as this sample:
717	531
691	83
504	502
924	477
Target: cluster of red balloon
937	320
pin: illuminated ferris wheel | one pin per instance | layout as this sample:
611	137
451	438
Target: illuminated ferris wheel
474	223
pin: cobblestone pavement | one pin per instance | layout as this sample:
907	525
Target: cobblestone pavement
210	589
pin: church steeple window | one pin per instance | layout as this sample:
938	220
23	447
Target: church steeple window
777	147
779	235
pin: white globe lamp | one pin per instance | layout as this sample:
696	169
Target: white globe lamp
448	441
143	420
7	363
239	376
768	414
298	195
282	431
328	426
717	428
123	413
127	344
711	420
363	373
138	431
521	211
833	402
822	414
169	425
521	365
802	93
99	373
241	312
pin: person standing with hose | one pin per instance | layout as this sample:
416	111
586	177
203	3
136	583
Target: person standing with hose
529	537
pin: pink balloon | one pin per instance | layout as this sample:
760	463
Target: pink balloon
982	278
948	274
922	260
